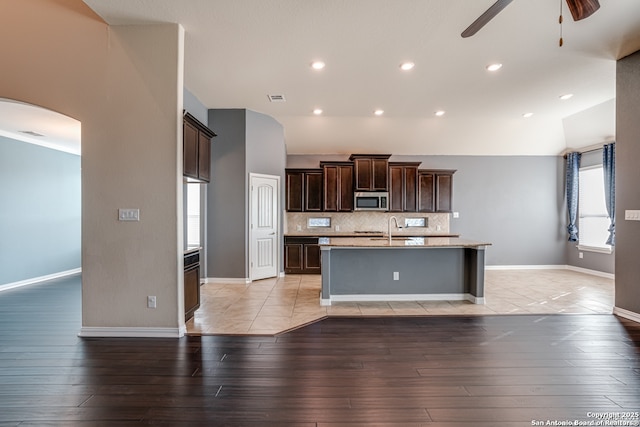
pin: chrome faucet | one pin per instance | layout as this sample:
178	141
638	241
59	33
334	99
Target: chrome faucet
389	227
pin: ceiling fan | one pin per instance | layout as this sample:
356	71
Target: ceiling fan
580	9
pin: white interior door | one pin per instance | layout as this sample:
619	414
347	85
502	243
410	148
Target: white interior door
264	232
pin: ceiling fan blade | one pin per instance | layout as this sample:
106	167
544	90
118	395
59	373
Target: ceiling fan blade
581	9
488	16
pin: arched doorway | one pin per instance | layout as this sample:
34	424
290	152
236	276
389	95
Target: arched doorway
40	189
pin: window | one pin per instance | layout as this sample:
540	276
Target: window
193	215
593	221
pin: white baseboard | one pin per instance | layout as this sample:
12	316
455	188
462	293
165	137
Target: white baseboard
551	267
402	297
40	279
123	332
626	314
228	280
591	272
525	267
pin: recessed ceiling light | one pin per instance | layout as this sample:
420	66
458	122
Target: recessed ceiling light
317	65
527	115
406	66
378	112
317	111
440	113
494	67
566	96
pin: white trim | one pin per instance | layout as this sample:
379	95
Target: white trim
525	267
124	332
325	302
403	297
552	267
281	274
40	279
229	280
626	314
591	272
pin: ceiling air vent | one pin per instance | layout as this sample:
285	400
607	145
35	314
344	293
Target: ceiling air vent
30	132
276	98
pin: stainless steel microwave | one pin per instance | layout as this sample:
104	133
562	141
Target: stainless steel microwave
371	201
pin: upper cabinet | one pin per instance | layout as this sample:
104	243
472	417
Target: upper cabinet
196	145
403	186
338	186
304	190
370	171
435	190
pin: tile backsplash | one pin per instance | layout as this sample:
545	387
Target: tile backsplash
297	222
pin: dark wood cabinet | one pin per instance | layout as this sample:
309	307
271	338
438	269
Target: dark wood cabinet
301	255
304	190
435	190
196	149
370	171
191	282
338	186
403	186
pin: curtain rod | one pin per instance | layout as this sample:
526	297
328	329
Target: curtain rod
590	148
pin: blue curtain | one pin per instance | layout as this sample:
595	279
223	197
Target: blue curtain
609	169
573	166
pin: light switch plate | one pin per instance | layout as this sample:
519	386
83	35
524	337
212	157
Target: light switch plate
128	214
632	215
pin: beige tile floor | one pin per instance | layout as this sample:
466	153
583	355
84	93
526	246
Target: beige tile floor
271	306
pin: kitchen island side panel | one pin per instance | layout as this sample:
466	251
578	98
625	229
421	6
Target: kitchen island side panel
370	271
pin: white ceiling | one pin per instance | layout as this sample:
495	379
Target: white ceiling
54	130
239	51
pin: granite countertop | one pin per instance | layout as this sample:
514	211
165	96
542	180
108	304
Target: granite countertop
402	242
413	232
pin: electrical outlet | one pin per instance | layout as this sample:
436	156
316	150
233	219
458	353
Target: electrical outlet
337	228
396	275
580	255
151	301
456	214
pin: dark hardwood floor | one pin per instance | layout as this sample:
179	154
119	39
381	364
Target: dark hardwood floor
414	371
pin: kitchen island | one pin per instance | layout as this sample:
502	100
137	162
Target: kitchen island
405	269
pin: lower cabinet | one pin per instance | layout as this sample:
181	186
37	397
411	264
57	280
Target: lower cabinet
301	255
191	283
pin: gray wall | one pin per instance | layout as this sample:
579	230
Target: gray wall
592	260
247	142
193	105
40	211
627	182
226	218
267	154
516	203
